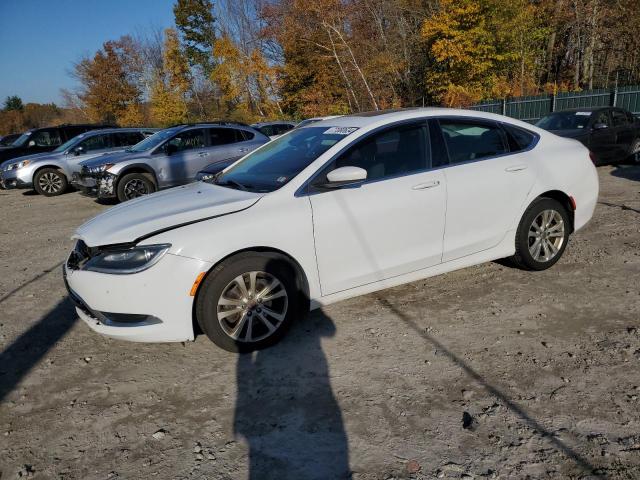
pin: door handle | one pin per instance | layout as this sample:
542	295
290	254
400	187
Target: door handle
203	154
243	149
423	186
515	168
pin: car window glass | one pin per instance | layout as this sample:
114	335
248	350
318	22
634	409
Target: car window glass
398	151
46	138
619	118
95	142
565	120
467	141
223	136
519	138
188	140
602	117
267	130
125	139
247	135
283	128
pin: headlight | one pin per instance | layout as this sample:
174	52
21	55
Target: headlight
205	177
131	260
100	168
17	165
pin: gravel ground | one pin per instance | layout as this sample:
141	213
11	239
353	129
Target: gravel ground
488	372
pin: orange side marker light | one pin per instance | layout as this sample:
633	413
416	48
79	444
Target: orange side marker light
196	284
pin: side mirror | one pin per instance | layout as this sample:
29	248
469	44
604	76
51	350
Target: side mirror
600	126
31	143
79	150
345	176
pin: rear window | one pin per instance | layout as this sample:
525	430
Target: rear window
519	138
468	141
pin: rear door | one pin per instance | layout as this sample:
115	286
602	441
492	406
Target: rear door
487	183
603	140
227	144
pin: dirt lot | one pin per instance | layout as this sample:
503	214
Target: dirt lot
487	372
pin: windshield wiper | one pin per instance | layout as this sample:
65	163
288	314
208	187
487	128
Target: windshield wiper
228	183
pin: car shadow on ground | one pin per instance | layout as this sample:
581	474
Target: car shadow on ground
286	410
630	172
29	348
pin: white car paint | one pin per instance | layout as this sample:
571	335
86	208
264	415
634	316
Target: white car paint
348	242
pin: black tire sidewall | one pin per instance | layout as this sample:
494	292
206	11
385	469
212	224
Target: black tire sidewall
131	176
218	278
522	241
58	173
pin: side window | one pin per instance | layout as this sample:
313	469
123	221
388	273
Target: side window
602	116
268	130
399	151
47	138
467	141
247	135
73	131
519	138
187	140
126	139
282	128
223	136
96	142
619	118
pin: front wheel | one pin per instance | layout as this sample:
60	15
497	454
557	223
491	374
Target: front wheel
248	301
134	185
542	235
50	182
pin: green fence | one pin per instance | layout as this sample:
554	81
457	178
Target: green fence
530	109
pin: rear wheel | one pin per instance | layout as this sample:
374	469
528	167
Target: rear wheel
50	182
134	185
248	301
634	153
542	235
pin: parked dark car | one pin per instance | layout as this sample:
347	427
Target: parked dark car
611	133
7	140
39	140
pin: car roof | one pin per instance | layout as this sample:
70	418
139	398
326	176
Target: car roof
382	117
275	122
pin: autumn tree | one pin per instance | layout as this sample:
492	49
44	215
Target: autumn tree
169	95
111	84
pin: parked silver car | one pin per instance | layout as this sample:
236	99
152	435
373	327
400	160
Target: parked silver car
49	173
169	158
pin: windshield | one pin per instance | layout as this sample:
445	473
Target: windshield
154	140
69	143
21	140
280	160
565	121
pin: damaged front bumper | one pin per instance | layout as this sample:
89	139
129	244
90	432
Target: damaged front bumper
100	185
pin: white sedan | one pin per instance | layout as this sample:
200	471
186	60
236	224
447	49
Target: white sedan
336	209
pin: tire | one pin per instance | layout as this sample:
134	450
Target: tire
50	182
134	185
634	152
249	325
553	236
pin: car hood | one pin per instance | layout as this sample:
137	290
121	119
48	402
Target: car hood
36	157
109	157
164	210
571	133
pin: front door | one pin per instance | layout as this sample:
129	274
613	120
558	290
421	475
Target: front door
179	157
391	224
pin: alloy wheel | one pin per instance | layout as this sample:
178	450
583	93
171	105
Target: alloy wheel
546	235
50	182
135	188
252	306
635	151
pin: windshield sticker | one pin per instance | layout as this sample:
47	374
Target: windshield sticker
340	130
281	179
584	114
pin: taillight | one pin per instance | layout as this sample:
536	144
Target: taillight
572	202
592	156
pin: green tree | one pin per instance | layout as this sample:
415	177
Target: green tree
196	24
13	102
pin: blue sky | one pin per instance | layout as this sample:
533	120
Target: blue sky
41	39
